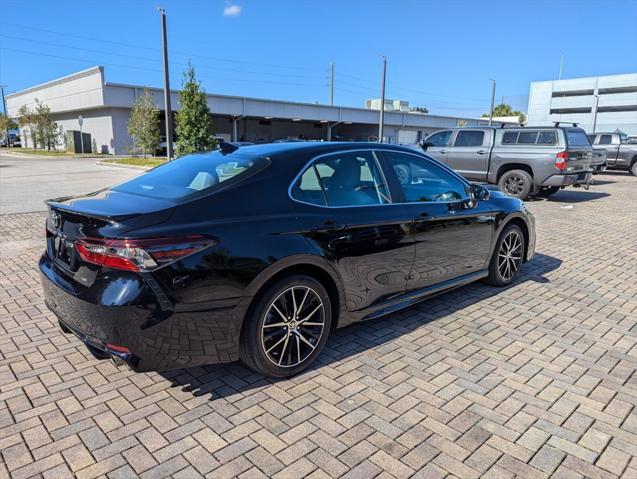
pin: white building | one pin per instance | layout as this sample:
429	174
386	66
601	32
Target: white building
605	103
105	108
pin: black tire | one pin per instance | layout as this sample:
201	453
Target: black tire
497	277
256	347
633	168
548	191
516	183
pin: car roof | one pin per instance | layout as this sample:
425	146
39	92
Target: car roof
315	147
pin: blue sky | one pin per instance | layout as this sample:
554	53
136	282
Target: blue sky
441	54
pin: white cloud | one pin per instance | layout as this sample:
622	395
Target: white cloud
231	10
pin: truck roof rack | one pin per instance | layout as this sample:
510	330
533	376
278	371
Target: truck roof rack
557	123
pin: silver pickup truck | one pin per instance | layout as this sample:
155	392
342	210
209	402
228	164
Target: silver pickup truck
522	161
620	154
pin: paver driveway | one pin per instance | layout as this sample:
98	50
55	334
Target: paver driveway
535	380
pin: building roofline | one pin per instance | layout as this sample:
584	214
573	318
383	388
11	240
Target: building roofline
585	78
289	102
58	81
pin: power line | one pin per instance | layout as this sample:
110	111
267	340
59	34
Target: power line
129	45
155	70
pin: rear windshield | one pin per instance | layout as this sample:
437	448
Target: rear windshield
193	174
576	138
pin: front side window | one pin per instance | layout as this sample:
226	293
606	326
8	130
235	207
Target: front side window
469	138
193	174
439	139
342	179
606	139
421	180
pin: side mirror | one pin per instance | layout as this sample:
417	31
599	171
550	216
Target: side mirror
424	145
479	192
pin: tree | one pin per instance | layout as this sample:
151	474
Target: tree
6	123
194	127
505	110
143	126
44	129
419	109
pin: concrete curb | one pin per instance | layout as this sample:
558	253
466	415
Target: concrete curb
121	165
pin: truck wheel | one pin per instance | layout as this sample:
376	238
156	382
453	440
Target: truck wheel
548	191
633	168
516	183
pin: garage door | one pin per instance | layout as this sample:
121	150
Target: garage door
408	137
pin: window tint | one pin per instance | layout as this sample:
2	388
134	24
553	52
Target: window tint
440	139
510	137
547	138
527	137
576	138
344	179
191	174
591	138
469	138
606	140
422	180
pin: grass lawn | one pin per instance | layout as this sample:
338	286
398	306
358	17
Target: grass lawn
151	161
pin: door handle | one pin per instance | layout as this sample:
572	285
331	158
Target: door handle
442	151
481	152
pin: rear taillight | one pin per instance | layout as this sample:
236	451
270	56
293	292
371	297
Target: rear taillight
140	254
561	160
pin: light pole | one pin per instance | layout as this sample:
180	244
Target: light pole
80	120
381	123
492	101
4	105
331	83
167	109
561	65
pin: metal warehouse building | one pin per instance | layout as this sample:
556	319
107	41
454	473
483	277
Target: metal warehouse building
605	103
106	107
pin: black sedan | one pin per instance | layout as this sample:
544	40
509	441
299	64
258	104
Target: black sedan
256	253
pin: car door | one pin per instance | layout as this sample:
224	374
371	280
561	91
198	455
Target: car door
452	233
438	145
351	221
611	146
469	154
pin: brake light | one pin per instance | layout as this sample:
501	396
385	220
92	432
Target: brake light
117	349
561	160
140	255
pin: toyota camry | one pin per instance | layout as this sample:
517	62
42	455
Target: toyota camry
257	253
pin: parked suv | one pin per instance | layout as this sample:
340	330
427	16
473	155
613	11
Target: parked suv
522	161
620	153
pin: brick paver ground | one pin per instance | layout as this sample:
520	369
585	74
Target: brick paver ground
536	380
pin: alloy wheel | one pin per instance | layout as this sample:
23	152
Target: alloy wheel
510	255
514	185
293	326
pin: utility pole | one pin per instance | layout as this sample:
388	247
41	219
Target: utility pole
595	113
561	65
167	110
381	123
492	101
331	83
4	105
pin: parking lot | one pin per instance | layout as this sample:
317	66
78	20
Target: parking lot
536	380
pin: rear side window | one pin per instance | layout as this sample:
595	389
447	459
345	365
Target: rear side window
577	138
547	138
343	179
469	138
527	137
439	139
193	174
605	140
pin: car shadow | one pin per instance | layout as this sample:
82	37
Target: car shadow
223	380
578	195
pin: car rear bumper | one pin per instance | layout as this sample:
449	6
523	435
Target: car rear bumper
157	334
582	177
